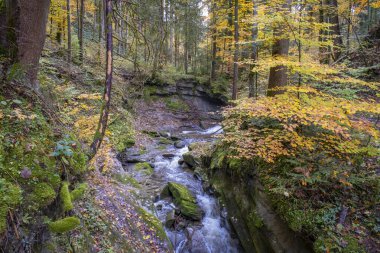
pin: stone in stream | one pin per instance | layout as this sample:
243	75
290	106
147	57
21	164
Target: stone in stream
180	161
190	160
164	134
183	199
168	155
179	144
170	219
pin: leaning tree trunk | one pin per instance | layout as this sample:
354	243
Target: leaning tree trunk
278	75
236	53
22	34
102	125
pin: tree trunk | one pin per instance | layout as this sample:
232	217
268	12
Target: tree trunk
323	53
68	31
102	125
252	78
334	20
22	34
80	35
278	75
236	53
214	45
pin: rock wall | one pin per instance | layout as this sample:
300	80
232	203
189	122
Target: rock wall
193	92
256	224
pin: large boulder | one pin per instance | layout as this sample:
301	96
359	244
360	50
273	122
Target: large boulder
184	200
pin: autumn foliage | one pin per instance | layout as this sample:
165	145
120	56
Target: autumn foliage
301	120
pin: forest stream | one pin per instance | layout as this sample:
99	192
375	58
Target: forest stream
212	233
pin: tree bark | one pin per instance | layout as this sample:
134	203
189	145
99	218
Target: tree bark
214	45
336	51
22	34
68	31
252	78
102	125
278	75
236	53
80	34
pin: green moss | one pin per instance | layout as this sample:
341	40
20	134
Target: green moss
176	104
79	191
78	162
122	132
185	201
218	158
10	197
65	196
64	225
43	195
165	141
147	169
125	179
153	222
255	220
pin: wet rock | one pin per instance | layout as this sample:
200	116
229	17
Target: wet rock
190	159
175	138
164	134
179	144
185	166
165	141
197	176
151	133
168	155
165	193
170	219
180	161
198	243
189	233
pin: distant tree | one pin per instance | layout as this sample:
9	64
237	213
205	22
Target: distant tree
236	53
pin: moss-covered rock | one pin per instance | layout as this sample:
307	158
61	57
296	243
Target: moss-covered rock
145	167
64	225
67	204
78	163
185	201
79	191
43	195
10	197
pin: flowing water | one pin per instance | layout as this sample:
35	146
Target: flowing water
210	235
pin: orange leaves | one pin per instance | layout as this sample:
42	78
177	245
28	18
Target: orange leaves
291	123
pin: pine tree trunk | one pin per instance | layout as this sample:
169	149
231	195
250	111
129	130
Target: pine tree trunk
236	53
102	125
